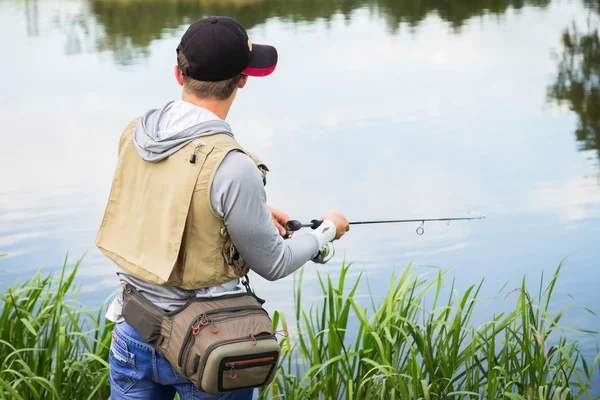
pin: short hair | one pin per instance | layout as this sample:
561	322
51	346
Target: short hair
220	90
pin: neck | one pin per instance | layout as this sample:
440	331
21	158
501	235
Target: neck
218	107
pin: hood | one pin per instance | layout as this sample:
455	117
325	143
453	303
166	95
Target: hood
161	132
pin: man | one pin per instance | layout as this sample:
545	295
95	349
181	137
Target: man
187	213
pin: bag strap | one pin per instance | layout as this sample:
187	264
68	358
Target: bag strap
246	283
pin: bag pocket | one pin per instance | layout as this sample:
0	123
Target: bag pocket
143	316
205	327
241	363
240	372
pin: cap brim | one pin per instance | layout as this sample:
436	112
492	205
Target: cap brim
264	60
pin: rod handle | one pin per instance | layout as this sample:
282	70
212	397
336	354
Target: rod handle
315	223
295	225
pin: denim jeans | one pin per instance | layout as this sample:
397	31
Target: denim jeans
137	371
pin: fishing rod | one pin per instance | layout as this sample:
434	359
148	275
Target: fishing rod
294	225
327	252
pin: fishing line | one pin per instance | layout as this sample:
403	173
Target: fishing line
294	225
326	253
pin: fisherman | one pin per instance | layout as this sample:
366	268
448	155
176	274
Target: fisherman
187	216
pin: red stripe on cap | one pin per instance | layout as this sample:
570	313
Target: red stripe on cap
259	71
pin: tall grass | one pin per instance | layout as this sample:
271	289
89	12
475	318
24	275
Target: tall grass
411	343
403	349
51	347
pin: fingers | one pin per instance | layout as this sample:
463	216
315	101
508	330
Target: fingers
281	217
279	220
341	223
282	231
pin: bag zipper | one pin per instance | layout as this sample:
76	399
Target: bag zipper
189	343
234	309
224	297
241	314
232	341
246	362
187	340
196	362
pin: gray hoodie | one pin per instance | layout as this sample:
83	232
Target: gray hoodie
161	133
236	189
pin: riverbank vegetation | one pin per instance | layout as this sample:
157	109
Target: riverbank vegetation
417	344
413	343
51	346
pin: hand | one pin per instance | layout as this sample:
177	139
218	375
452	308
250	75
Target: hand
341	223
279	220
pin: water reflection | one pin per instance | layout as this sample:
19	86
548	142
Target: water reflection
431	123
130	26
32	18
578	81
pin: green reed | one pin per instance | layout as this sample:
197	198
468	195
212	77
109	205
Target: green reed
406	349
412	343
51	347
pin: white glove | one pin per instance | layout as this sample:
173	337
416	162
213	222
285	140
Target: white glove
325	233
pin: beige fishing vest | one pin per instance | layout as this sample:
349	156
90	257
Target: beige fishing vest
159	224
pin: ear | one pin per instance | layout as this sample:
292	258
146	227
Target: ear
243	81
178	75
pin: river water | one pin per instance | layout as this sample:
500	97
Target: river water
379	109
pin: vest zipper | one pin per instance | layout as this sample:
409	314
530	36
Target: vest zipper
199	144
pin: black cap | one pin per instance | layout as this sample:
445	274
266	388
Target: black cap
218	48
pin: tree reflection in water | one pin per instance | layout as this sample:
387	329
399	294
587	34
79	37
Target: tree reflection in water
578	81
129	26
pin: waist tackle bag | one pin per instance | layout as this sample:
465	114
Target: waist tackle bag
221	344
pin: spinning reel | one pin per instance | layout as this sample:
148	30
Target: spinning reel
326	253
